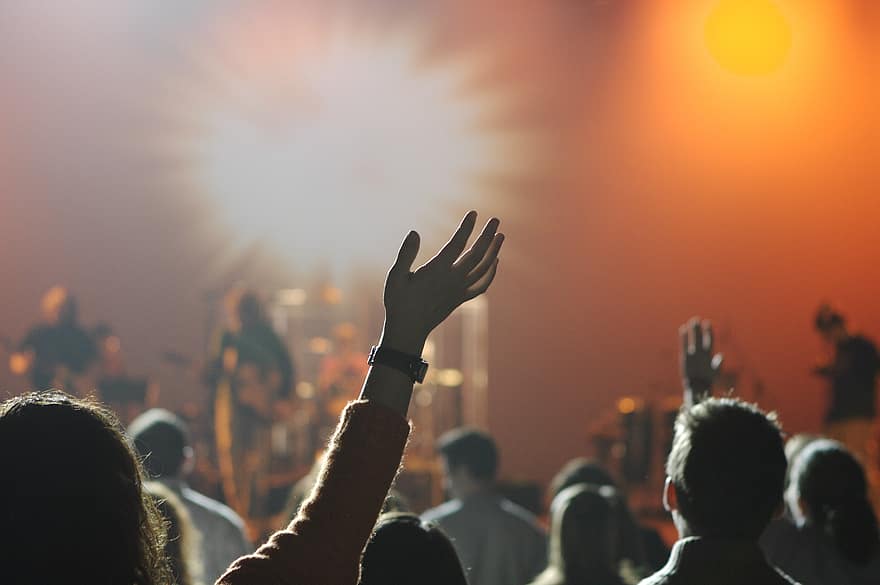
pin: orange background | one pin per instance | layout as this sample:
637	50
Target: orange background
668	187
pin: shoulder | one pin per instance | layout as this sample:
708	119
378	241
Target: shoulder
442	512
211	507
784	579
780	534
659	578
519	515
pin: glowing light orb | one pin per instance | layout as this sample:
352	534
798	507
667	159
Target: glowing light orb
332	138
748	37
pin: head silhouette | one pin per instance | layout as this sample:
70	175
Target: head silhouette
726	470
403	550
72	505
59	306
584	537
829	489
162	441
580	470
470	457
830	323
244	308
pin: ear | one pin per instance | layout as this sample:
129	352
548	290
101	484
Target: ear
670	497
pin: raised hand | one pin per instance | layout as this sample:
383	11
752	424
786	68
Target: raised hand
699	364
416	302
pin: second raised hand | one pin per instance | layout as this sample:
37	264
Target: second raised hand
700	364
417	301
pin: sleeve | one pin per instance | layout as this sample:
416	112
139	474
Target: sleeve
324	543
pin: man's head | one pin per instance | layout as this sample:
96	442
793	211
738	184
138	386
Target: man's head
726	470
58	306
470	458
162	440
830	324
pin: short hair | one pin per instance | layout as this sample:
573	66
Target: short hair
580	470
827	318
72	503
160	437
728	467
404	550
472	449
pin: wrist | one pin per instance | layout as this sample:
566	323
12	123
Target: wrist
698	386
403	339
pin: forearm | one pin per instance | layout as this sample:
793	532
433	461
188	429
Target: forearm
323	544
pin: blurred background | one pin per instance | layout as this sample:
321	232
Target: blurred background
650	160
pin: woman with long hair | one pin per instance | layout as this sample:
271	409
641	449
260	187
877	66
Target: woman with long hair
834	535
583	538
72	504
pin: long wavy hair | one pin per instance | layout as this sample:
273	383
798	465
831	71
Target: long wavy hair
182	543
72	504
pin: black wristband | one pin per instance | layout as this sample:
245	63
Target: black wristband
411	365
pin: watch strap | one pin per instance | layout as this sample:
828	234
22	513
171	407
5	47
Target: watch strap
411	365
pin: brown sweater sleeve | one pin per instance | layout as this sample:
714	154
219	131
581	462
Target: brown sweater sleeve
323	545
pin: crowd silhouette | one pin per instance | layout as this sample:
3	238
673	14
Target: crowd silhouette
85	501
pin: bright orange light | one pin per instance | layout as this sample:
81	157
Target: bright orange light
748	37
626	405
18	364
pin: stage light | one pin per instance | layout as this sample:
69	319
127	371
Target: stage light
748	37
330	137
626	405
449	377
18	364
291	297
305	390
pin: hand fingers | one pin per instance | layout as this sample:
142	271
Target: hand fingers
489	258
453	248
473	256
708	339
483	284
409	249
696	335
683	337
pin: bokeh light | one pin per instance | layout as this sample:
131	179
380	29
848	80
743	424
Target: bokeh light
330	137
748	37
